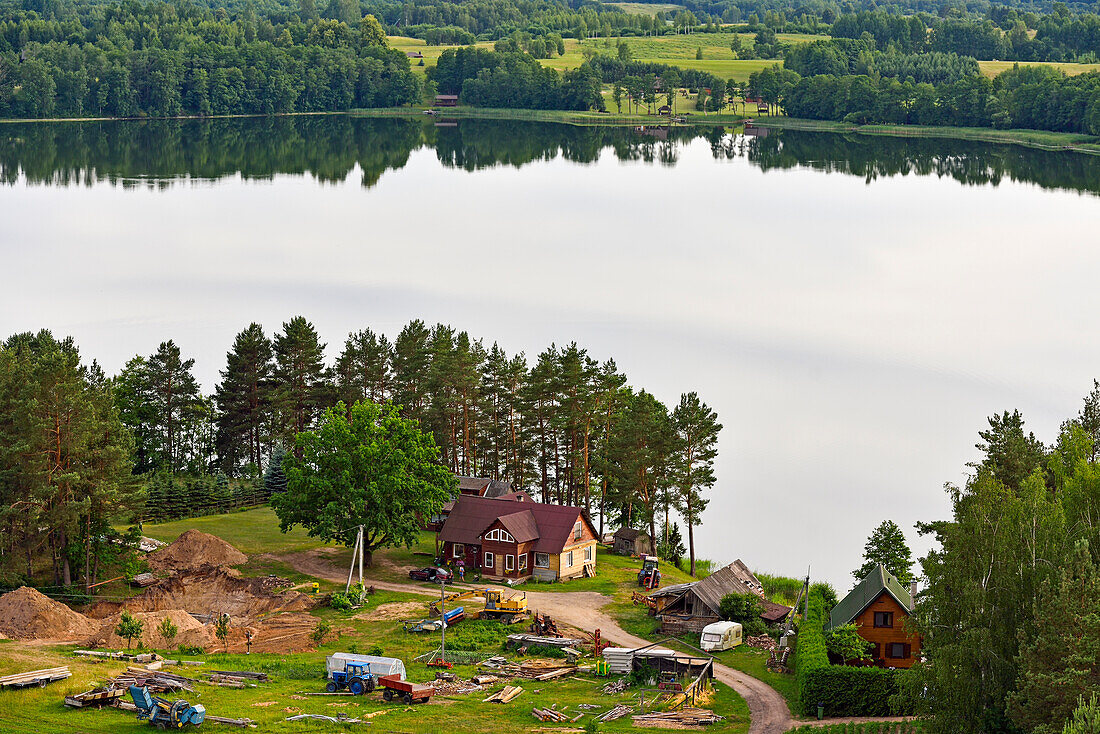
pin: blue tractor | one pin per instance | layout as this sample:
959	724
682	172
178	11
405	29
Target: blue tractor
355	676
165	714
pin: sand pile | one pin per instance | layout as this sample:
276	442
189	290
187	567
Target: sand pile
195	549
216	591
395	610
190	631
27	614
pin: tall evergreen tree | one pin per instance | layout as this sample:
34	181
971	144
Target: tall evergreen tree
411	361
302	388
886	545
364	370
697	429
137	411
244	399
641	453
174	394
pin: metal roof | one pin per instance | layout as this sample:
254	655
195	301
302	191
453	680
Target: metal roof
551	526
866	592
735	578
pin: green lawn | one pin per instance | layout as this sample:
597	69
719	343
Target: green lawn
993	68
251	531
647	8
39	709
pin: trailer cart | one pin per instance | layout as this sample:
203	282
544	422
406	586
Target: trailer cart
403	690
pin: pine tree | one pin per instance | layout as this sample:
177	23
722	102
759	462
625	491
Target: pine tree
244	399
364	369
303	389
174	394
411	361
274	481
697	428
641	453
886	545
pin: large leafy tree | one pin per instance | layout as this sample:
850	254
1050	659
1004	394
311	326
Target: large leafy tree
696	429
244	398
1062	663
367	466
886	545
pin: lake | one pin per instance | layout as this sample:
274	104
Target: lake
853	307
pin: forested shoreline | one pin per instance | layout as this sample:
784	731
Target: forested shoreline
566	427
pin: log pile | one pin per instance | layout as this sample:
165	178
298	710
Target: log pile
536	671
615	686
761	642
680	717
35	677
504	695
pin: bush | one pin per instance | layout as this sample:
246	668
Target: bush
843	690
742	608
340	601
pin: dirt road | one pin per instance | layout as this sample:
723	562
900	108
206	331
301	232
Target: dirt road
583	609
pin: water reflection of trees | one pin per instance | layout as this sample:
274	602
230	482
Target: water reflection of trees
329	148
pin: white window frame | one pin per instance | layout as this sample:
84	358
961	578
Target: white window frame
545	564
488	560
522	561
502	536
577	532
509	563
459	550
588	553
569	559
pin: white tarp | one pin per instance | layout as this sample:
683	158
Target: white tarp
378	665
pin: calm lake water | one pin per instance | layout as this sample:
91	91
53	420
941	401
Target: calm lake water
852	307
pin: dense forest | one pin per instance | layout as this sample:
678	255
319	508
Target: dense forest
1008	613
79	449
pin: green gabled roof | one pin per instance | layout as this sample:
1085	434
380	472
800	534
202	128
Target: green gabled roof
865	594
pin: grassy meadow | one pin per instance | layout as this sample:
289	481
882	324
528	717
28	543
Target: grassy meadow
993	68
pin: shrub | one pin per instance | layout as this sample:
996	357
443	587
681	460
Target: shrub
340	601
741	608
320	632
129	628
843	690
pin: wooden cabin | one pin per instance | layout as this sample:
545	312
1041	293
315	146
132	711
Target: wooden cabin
631	542
690	607
446	100
880	607
512	537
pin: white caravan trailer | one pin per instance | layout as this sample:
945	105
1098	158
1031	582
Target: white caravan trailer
720	636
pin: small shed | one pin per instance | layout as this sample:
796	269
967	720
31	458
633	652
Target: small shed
378	665
446	100
631	542
414	54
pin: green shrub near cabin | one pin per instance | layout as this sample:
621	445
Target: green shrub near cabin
843	690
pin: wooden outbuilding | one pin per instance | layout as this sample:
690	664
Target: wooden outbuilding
446	100
631	542
880	606
690	607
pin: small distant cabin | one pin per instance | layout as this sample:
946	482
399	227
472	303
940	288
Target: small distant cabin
762	108
631	542
414	54
664	110
446	100
880	606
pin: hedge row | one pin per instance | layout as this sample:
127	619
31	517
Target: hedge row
844	690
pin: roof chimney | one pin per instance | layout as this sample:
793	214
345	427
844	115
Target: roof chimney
912	595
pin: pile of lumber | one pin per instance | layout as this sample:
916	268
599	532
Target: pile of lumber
554	715
616	713
536	671
528	640
94	697
157	681
320	717
35	677
681	717
143	658
504	695
236	678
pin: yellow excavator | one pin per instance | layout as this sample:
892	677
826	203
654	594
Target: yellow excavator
497	606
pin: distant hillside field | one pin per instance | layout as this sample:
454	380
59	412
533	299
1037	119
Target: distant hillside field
993	68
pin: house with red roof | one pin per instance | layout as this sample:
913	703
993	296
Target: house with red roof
513	537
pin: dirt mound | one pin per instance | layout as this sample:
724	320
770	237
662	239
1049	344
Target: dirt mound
190	631
27	614
214	592
395	610
193	550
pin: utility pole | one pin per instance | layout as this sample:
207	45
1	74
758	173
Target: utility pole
356	551
442	620
362	591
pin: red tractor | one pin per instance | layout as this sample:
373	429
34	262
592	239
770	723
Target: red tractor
650	575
